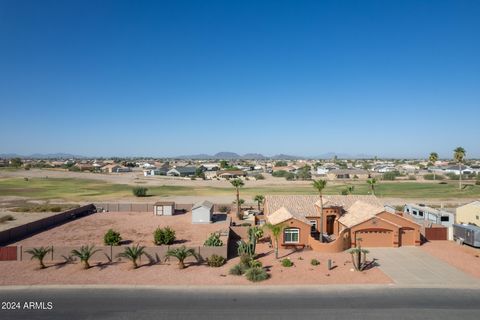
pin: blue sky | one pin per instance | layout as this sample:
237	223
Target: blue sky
386	78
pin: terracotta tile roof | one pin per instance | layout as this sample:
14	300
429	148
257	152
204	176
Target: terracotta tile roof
304	205
359	212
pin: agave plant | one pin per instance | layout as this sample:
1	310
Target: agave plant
84	254
39	253
181	254
133	254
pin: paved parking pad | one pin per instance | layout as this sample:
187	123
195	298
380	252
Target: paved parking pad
413	266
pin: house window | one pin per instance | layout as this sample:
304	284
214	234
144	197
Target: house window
313	226
477	217
291	235
408	210
444	219
420	213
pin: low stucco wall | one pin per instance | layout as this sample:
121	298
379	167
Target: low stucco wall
340	244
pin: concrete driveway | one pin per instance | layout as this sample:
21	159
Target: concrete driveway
413	266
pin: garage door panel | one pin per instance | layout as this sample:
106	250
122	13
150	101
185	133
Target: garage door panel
375	238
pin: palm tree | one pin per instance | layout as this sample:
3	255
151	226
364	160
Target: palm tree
181	254
320	185
372	182
433	158
276	230
133	254
459	155
237	183
84	254
40	253
259	199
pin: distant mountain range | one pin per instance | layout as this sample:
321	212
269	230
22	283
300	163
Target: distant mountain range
218	156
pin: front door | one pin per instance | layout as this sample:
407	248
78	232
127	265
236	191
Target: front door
330	224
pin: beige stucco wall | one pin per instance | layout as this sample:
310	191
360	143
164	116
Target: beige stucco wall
469	213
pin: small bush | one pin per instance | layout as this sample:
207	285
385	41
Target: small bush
314	262
224	209
245	224
164	236
139	191
6	218
412	177
216	261
56	209
255	263
287	263
391	175
112	238
429	176
256	274
213	240
245	259
259	176
237	270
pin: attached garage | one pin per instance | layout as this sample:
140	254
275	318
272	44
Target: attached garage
407	237
375	237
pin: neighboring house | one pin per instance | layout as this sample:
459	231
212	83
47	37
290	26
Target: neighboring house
347	221
84	166
164	208
227	174
182	171
114	168
202	212
456	169
434	216
469	213
345	174
156	172
321	171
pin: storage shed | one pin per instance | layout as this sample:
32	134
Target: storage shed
164	208
202	212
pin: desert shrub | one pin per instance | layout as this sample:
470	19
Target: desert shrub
245	259
259	176
256	274
6	218
112	238
216	260
56	209
224	209
237	270
255	264
164	236
27	167
429	176
245	224
477	182
213	240
314	262
391	175
139	191
453	176
412	177
287	263
290	176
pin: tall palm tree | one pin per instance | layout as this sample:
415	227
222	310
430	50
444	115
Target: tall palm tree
237	183
84	254
459	155
320	185
433	158
133	254
39	253
275	230
181	254
372	182
259	199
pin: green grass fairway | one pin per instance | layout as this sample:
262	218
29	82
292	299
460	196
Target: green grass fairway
94	190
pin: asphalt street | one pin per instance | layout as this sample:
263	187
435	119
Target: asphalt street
240	303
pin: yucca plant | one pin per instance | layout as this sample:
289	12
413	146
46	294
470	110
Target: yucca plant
39	253
181	254
133	253
84	254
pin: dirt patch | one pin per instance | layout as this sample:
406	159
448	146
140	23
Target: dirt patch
135	227
464	257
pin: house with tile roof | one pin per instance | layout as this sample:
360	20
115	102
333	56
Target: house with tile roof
344	222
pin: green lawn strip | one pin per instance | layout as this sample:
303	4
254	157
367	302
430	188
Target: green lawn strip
86	190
